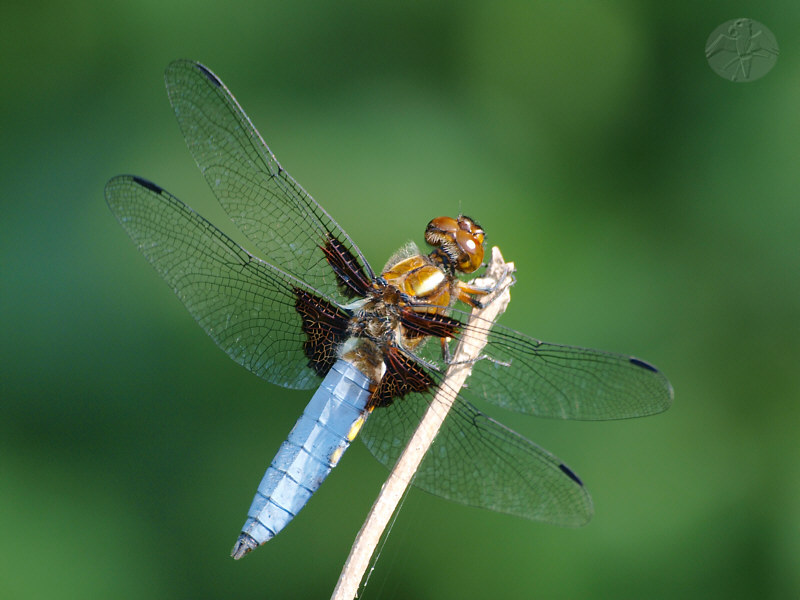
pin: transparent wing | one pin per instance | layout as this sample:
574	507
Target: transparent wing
276	214
477	461
520	373
246	305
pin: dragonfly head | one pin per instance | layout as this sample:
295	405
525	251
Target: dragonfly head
461	240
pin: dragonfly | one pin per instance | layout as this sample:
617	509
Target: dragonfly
311	312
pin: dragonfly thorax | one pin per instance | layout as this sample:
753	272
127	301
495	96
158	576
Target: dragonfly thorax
377	316
372	328
421	279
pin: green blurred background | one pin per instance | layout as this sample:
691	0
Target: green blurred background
651	208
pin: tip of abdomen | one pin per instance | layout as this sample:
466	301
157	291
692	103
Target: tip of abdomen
243	545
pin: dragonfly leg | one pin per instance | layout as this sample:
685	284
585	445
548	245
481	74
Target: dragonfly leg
484	286
447	357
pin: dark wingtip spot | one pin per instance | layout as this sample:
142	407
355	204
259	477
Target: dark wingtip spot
209	74
148	184
568	472
644	365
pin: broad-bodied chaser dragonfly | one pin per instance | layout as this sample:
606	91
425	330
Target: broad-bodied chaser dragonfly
313	314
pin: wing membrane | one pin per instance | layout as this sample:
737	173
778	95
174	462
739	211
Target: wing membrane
479	462
247	306
275	213
527	375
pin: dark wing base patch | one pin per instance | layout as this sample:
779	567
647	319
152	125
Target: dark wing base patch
325	326
418	324
353	283
403	376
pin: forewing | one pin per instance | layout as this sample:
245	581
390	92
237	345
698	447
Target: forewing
477	461
526	375
247	306
275	213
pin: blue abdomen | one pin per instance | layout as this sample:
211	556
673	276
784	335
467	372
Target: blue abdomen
323	432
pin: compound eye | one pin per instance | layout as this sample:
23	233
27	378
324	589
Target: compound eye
471	247
443	224
440	231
